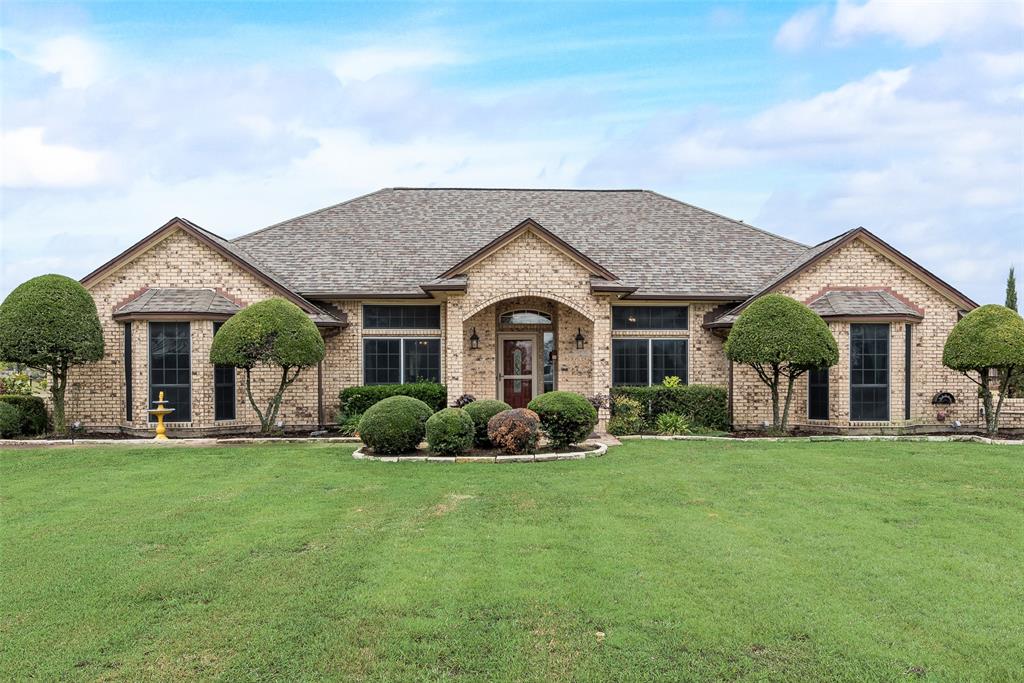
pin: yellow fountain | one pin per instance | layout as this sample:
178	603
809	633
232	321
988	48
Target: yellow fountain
160	410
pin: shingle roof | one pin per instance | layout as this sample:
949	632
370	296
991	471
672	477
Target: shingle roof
394	240
840	303
168	300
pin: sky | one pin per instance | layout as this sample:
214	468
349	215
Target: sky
802	119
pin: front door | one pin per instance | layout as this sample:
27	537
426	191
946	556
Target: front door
517	371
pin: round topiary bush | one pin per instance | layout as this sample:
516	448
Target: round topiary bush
450	431
565	417
481	412
514	431
10	421
394	425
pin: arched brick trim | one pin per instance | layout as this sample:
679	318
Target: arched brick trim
523	293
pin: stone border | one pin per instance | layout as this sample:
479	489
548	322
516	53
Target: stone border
183	441
597	452
968	438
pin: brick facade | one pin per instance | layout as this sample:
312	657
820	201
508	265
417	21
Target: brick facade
529	272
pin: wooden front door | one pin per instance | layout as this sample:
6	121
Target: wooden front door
517	371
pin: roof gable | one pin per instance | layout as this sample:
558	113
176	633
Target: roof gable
530	226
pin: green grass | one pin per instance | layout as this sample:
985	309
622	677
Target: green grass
697	561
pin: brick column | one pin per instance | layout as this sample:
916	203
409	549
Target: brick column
454	342
602	355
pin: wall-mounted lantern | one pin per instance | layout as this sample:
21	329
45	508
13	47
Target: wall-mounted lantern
580	340
474	340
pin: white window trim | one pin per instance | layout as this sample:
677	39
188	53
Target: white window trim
650	357
401	354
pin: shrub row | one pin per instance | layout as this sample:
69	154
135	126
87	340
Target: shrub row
357	400
29	412
705	406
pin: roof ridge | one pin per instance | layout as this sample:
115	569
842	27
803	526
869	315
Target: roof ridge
732	220
525	189
313	213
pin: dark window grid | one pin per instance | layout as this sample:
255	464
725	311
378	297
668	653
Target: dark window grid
224	394
397	360
401	317
128	371
869	373
382	361
650	317
170	368
817	394
422	360
646	362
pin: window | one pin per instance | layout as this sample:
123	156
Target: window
642	362
907	343
650	317
549	361
223	388
869	372
402	317
397	360
817	394
525	317
170	368
128	371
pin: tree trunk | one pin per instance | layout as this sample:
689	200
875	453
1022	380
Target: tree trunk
776	420
789	399
991	418
269	416
252	401
1004	388
58	383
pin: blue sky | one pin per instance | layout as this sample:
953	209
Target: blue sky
804	119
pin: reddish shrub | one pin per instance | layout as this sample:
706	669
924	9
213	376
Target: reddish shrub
514	431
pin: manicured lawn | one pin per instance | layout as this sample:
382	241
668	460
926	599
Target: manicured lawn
660	561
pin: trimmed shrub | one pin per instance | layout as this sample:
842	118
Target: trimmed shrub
514	431
481	412
705	406
565	417
10	421
671	424
357	400
31	411
450	431
627	416
395	425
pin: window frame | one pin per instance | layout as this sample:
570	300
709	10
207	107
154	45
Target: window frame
405	308
149	363
401	357
828	394
638	327
216	385
650	358
888	373
128	395
548	318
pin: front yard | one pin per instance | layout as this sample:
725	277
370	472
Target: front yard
661	560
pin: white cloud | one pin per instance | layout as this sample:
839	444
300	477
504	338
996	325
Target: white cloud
367	63
801	29
925	23
28	161
78	61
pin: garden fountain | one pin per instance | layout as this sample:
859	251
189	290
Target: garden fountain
160	411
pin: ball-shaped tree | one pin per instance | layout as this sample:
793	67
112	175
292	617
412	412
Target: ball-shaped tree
780	338
50	323
988	338
274	333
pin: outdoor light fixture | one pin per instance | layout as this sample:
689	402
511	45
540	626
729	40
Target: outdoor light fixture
579	338
474	340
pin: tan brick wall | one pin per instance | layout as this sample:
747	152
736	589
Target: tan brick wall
858	265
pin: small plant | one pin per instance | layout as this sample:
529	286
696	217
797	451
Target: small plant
672	424
627	416
567	418
514	431
481	412
599	401
17	384
10	421
671	382
31	411
450	431
348	425
464	400
394	425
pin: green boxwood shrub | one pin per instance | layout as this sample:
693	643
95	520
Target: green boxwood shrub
565	417
31	410
395	425
10	421
357	400
707	407
514	431
450	431
481	413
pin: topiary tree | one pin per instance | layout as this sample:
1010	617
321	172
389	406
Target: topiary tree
450	431
273	332
395	425
514	431
50	323
781	339
565	417
988	338
481	412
